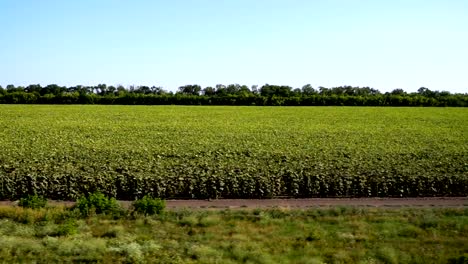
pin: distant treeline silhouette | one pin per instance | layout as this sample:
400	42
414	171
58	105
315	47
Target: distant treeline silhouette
233	94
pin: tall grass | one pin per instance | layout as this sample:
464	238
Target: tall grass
342	235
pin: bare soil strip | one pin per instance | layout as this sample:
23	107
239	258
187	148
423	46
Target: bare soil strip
431	202
319	202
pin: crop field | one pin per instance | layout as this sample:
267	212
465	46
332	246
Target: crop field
62	152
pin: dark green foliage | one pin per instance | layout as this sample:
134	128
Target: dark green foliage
221	183
97	203
33	201
149	206
459	260
233	94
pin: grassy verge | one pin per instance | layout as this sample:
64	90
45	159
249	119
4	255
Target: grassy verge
339	235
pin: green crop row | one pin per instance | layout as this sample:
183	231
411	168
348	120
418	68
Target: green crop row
238	185
64	152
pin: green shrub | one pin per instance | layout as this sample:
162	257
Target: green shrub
70	227
33	201
149	206
98	203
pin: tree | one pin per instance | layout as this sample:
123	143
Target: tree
425	92
373	91
10	87
80	89
308	90
324	91
233	88
244	90
111	89
157	90
52	89
84	89
364	91
221	89
192	89
121	90
398	91
254	89
296	92
143	89
444	93
33	88
209	91
270	90
101	89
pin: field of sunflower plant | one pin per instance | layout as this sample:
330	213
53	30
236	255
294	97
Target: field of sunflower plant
126	152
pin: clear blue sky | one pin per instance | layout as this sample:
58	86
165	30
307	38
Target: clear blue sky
384	44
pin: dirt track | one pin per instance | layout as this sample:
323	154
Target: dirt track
319	202
431	202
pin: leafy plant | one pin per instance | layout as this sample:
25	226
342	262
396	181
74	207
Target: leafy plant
149	206
70	227
33	201
98	203
64	153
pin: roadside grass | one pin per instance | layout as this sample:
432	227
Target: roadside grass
336	235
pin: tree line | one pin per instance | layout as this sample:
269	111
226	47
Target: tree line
233	94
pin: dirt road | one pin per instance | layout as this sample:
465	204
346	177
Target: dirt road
430	202
319	202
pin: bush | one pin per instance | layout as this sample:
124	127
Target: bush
70	227
98	203
459	260
33	201
149	206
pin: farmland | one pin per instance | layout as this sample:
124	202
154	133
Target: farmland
62	152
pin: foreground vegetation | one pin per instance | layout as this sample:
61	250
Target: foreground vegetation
62	152
336	235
